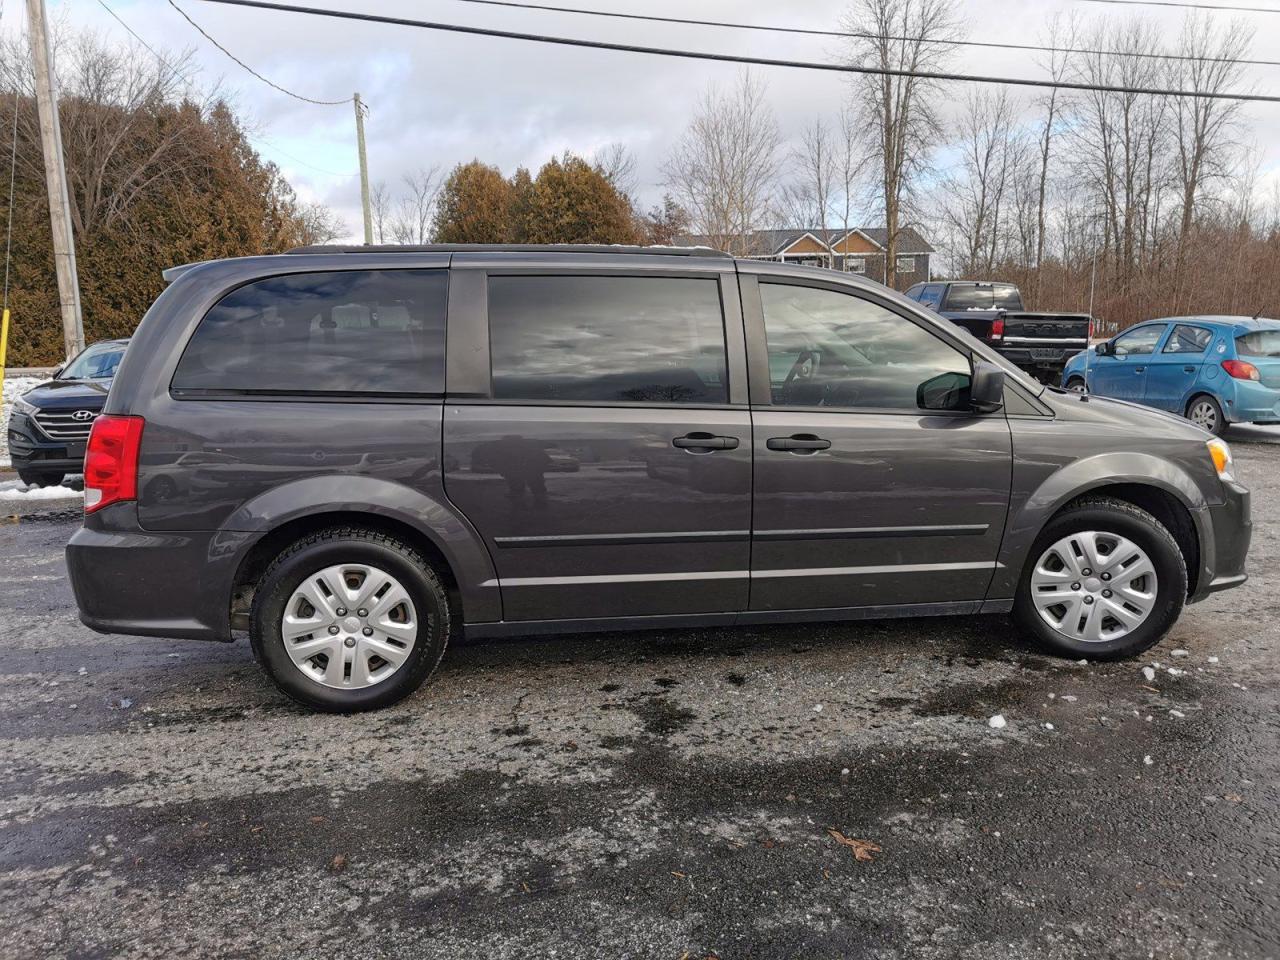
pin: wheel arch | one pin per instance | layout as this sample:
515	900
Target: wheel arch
1151	483
430	525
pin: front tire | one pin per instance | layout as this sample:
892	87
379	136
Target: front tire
34	478
348	620
1104	580
1204	411
1077	385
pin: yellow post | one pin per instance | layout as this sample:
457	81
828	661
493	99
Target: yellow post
4	346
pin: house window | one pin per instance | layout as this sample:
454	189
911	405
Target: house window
905	265
855	265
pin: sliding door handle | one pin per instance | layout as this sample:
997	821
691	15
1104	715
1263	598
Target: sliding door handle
705	441
798	442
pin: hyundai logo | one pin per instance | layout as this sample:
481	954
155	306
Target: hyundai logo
83	415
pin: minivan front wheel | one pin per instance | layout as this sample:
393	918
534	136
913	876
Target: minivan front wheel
1104	580
348	619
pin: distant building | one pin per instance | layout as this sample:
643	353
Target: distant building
860	250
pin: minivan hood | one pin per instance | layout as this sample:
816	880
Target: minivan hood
69	394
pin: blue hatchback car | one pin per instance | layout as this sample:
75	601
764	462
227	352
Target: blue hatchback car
1214	371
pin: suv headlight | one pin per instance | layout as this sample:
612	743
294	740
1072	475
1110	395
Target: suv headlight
21	406
1222	461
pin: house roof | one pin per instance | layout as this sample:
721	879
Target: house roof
770	243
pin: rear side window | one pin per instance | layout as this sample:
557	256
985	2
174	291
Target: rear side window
969	296
1188	339
607	339
1006	296
377	332
1259	343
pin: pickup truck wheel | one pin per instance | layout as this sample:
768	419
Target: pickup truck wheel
348	620
1206	412
1077	385
1104	580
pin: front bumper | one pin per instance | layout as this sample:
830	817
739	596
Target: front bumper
152	583
1225	532
31	450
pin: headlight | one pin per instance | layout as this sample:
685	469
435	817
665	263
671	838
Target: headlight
1221	454
21	406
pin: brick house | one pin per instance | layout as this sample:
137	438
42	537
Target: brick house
860	250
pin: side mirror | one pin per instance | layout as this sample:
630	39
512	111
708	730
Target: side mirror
1104	349
57	372
946	391
986	395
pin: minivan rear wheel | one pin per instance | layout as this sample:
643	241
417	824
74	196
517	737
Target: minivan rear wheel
348	619
1105	580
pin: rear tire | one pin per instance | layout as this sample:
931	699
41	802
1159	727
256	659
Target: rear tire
1101	520
1204	411
34	478
375	682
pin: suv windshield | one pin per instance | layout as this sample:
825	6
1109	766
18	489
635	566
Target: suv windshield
983	296
97	362
1259	343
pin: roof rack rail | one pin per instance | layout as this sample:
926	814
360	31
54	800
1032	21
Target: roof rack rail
513	248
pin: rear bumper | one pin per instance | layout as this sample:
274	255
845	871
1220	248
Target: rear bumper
1225	532
1046	358
151	584
1253	403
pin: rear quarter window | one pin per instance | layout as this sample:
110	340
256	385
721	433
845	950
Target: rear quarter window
376	332
1259	343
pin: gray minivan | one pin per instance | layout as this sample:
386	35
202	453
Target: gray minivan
355	453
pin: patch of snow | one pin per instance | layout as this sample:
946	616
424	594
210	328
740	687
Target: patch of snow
1147	760
1177	714
1179	653
997	722
817	708
1048	726
1175	672
1213	659
1068	698
1149	673
17	490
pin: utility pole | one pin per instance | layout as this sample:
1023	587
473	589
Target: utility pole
55	175
364	170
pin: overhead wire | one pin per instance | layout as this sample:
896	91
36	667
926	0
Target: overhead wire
271	83
1193	6
739	58
856	34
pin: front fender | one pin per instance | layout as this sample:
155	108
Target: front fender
430	514
1037	498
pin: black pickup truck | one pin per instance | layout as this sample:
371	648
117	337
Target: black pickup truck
1039	343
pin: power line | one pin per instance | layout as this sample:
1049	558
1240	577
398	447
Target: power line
186	77
272	146
739	58
858	34
1193	6
296	96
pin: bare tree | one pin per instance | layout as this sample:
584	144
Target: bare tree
411	222
1204	129
976	195
380	208
617	164
815	161
850	160
319	224
897	110
724	168
1053	103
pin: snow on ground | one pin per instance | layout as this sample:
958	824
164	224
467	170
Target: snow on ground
13	387
17	490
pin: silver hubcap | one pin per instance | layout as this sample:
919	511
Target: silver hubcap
1203	415
1094	586
1076	386
349	626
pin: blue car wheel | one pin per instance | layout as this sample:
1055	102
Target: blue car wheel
1204	411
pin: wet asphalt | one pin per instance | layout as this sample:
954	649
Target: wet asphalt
648	795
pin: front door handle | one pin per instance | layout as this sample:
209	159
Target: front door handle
1188	369
1138	369
799	441
705	441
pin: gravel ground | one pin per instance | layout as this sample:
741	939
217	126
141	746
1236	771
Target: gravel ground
648	795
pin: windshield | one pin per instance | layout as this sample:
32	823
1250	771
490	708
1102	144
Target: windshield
1259	343
983	296
97	362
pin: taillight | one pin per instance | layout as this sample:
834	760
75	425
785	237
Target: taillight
1241	370
111	461
1089	335
997	329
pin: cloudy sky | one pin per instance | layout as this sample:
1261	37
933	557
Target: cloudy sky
436	99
